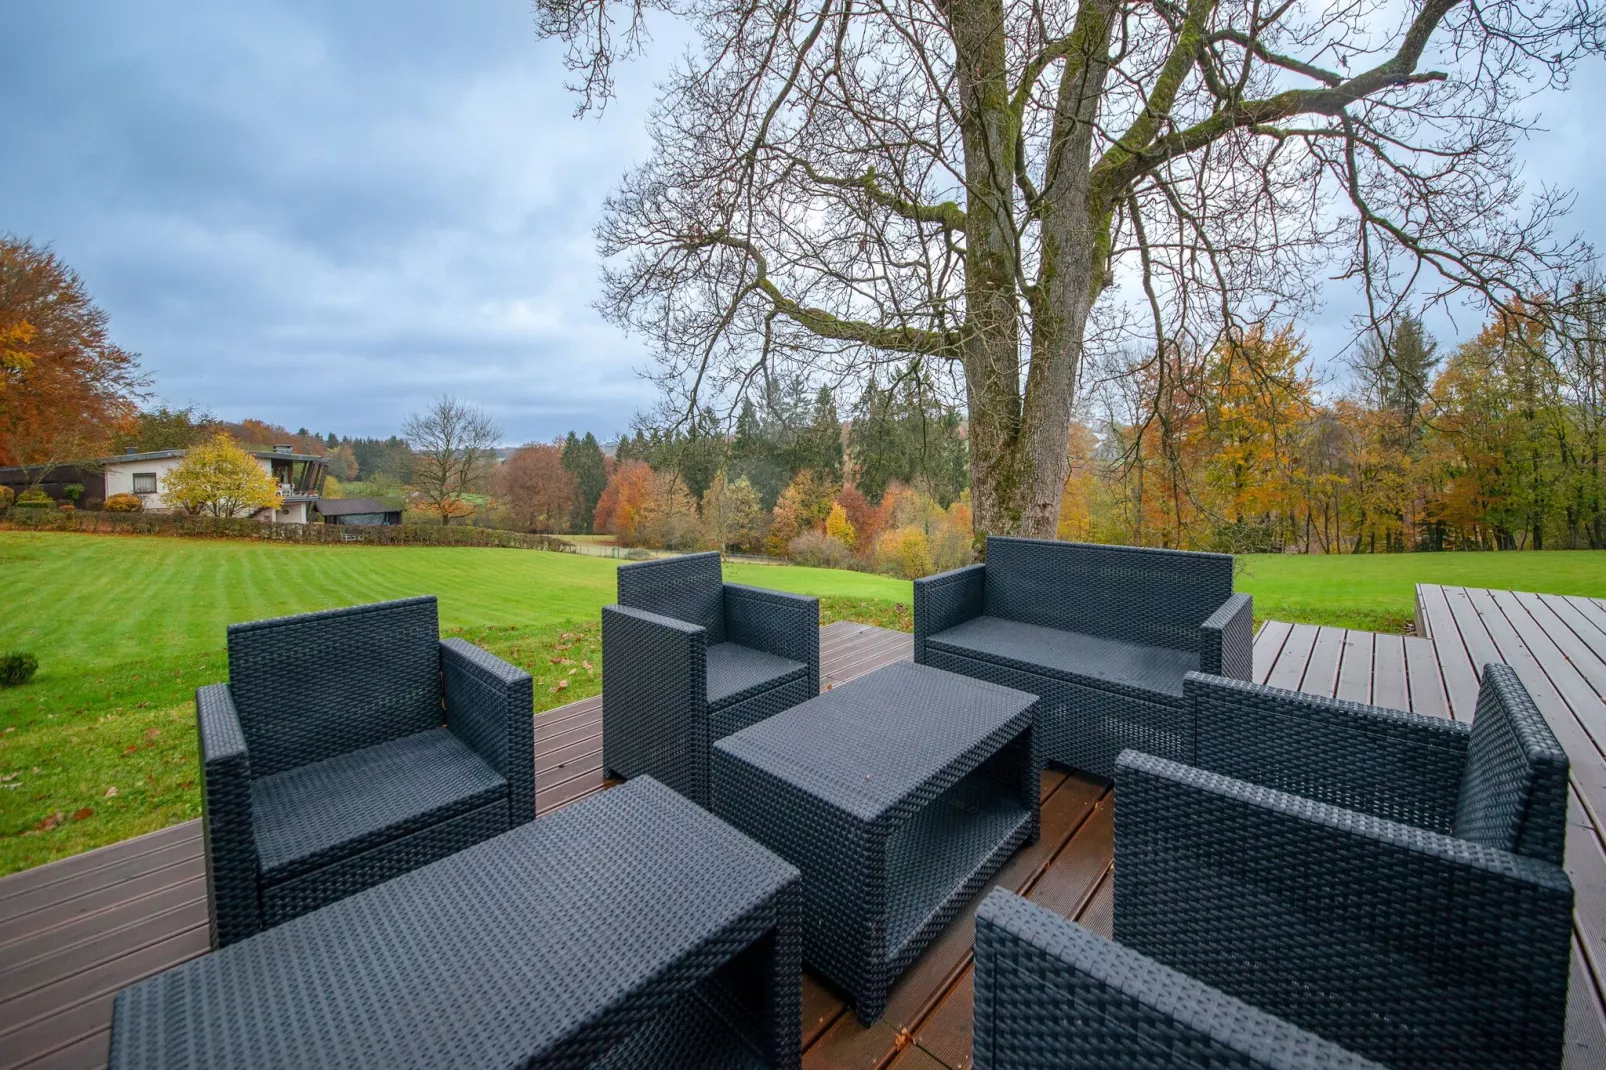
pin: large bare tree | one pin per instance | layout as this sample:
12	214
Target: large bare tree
453	443
996	185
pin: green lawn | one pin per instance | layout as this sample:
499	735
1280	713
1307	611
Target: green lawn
101	745
1377	592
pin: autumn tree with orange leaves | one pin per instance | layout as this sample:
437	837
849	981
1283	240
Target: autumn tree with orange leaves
65	387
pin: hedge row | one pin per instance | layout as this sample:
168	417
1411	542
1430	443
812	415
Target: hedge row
205	527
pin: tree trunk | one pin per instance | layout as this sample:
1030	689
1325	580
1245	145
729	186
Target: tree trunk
1018	432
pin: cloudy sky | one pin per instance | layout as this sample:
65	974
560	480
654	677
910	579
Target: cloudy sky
322	213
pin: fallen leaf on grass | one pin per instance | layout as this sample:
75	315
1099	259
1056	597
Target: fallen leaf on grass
560	685
153	733
111	791
79	815
50	822
586	663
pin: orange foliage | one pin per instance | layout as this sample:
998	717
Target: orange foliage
67	388
619	509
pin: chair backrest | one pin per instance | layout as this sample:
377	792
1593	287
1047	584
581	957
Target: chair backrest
1514	788
689	588
316	685
1153	597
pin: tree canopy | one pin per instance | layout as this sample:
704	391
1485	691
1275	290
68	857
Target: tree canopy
1009	187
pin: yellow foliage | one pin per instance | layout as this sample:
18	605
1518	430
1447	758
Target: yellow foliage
906	552
838	526
221	478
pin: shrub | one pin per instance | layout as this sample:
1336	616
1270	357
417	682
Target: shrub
124	503
72	492
7	496
820	551
35	499
904	552
17	669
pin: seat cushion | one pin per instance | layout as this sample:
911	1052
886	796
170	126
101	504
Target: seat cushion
737	672
309	817
1142	671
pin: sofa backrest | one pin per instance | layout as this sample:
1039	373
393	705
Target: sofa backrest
316	685
689	588
1514	787
1153	597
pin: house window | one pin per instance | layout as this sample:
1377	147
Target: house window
144	482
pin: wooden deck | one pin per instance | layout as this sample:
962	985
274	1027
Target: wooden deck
72	933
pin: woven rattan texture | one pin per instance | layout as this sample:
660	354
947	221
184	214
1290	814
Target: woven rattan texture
670	688
351	873
284	839
1409	947
897	795
776	622
307	818
1394	765
1150	597
312	686
1051	995
737	672
1104	635
1086	727
1227	639
1090	660
534	948
687	588
486	702
230	847
1514	793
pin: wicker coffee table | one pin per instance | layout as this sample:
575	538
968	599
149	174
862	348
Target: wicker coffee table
628	930
898	795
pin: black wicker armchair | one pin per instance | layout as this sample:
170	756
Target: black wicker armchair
347	748
1102	634
1405	871
1050	995
687	659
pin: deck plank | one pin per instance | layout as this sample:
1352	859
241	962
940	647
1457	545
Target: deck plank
1356	669
1290	667
1268	645
1424	679
1389	688
1459	675
1321	675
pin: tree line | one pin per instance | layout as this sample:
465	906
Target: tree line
1496	444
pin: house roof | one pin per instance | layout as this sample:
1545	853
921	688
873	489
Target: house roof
275	455
350	506
124	458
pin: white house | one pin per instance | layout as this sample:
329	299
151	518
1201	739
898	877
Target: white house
299	476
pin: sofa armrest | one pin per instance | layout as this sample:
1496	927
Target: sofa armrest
489	706
1045	986
1393	942
1227	639
226	832
776	622
947	599
1398	766
655	698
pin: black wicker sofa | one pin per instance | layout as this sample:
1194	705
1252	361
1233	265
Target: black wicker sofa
1103	635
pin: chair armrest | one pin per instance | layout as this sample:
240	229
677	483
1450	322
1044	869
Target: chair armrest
655	698
1047	986
1227	639
947	599
1393	942
776	622
227	836
1399	766
489	706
